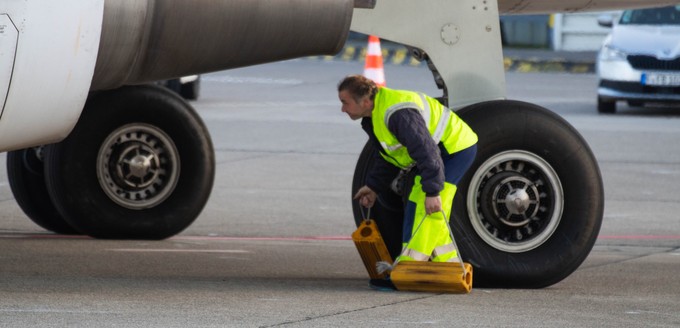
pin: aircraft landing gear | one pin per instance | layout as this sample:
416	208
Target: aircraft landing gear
528	211
27	182
138	165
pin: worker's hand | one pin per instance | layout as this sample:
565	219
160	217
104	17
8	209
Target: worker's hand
433	204
366	196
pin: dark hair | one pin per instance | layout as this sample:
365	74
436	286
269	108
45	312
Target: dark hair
358	86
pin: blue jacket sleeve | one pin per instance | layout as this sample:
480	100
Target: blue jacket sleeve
408	126
382	173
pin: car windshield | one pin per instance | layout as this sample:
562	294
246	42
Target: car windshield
654	16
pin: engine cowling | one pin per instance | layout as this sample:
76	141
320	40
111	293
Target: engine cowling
151	40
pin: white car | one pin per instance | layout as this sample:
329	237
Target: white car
640	60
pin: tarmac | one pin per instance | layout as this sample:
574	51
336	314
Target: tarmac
523	60
544	60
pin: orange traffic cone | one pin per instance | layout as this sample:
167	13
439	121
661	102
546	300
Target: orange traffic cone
374	62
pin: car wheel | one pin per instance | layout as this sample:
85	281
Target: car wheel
27	182
138	165
606	106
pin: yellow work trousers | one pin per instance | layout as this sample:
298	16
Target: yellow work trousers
427	237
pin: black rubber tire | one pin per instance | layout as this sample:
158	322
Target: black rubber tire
388	211
517	126
173	85
27	182
71	166
503	126
606	106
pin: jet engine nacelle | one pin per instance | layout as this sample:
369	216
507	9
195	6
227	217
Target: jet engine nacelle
53	53
152	40
48	51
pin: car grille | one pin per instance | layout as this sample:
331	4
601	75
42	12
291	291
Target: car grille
636	87
652	63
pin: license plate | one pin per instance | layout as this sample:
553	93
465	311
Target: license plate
661	79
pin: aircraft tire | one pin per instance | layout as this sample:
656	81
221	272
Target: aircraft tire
27	182
528	150
532	153
387	212
138	165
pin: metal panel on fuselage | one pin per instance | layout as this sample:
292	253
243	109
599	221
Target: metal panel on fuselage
8	46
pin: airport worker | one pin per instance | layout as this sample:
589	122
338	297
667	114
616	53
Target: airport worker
413	132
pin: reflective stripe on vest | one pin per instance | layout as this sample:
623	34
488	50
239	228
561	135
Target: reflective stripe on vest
443	249
414	254
388	115
444	126
425	112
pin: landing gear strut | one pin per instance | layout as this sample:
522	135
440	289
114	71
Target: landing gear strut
528	211
139	164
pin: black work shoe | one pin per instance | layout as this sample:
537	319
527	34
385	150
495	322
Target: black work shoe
383	285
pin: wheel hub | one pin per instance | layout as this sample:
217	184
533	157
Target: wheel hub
515	201
138	166
515	209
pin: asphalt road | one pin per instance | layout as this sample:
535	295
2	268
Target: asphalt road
271	248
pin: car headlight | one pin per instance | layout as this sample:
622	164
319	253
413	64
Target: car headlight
609	53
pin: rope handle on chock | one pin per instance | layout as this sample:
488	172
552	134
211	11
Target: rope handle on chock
453	240
368	215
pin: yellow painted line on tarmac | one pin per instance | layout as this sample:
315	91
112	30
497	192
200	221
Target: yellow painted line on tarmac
401	56
349	53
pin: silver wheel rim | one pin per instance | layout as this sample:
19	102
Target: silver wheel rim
138	166
515	201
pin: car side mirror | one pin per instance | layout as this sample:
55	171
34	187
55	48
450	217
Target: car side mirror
605	20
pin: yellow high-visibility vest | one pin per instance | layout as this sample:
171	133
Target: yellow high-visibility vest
443	124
